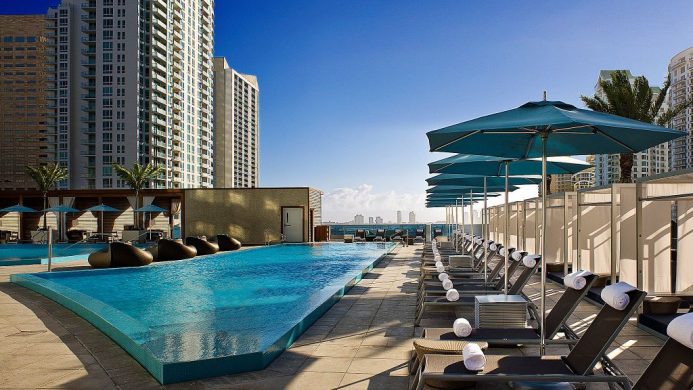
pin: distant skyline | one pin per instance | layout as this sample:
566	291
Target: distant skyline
349	89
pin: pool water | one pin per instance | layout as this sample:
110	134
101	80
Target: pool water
212	315
20	254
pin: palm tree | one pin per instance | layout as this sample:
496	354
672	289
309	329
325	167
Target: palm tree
635	101
46	177
137	178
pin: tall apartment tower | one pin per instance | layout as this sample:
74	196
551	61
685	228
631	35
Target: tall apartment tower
237	127
654	160
133	84
681	90
399	216
412	217
23	106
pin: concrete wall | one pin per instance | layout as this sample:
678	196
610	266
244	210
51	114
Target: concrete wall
243	213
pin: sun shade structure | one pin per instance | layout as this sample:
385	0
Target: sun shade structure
18	208
446	189
495	166
60	209
544	129
502	166
102	208
478	181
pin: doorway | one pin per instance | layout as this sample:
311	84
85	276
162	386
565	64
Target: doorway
292	224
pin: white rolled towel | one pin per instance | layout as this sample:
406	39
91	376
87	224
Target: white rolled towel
530	261
681	329
474	359
493	246
452	295
517	256
439	263
616	295
461	327
440	268
447	284
436	257
443	276
502	252
576	280
487	244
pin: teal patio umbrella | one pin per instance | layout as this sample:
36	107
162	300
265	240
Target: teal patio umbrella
446	189
102	208
544	129
502	166
149	209
18	208
478	180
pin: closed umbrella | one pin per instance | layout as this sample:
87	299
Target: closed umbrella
544	129
18	208
102	208
497	166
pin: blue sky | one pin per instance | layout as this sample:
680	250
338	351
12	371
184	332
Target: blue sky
349	88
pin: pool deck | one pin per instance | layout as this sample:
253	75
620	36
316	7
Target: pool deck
362	342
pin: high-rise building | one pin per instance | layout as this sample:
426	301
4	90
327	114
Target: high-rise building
399	217
132	84
584	179
607	167
560	183
680	91
378	221
412	217
236	129
358	219
23	105
370	220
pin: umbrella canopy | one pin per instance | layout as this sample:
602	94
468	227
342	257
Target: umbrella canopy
517	133
18	208
543	129
445	189
495	166
478	181
103	208
61	209
151	209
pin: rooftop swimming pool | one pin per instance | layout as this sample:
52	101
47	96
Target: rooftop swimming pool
20	254
212	315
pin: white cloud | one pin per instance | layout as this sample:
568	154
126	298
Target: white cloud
341	204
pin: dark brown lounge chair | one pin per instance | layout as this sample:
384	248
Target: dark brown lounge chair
174	250
227	243
577	367
120	254
203	246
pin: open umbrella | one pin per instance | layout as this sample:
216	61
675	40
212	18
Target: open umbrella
544	129
60	209
502	166
149	209
102	208
18	208
478	181
446	189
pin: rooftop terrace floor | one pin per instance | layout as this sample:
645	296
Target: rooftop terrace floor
362	342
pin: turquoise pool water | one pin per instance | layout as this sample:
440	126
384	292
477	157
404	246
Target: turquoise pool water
212	315
19	254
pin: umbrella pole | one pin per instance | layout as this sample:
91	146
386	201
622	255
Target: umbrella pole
485	233
471	213
542	313
463	227
454	236
506	236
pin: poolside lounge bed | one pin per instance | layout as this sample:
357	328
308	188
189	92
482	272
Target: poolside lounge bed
576	367
379	235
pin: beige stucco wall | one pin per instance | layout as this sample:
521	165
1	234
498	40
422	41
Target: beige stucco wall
243	213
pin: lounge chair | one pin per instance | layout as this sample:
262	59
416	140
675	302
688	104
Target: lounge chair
120	254
576	367
360	235
468	301
444	340
174	250
227	243
348	238
419	238
203	246
379	235
397	236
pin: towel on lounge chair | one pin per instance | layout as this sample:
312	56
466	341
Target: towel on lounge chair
616	295
461	327
447	284
474	359
681	329
443	276
530	261
452	295
517	255
440	268
576	280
